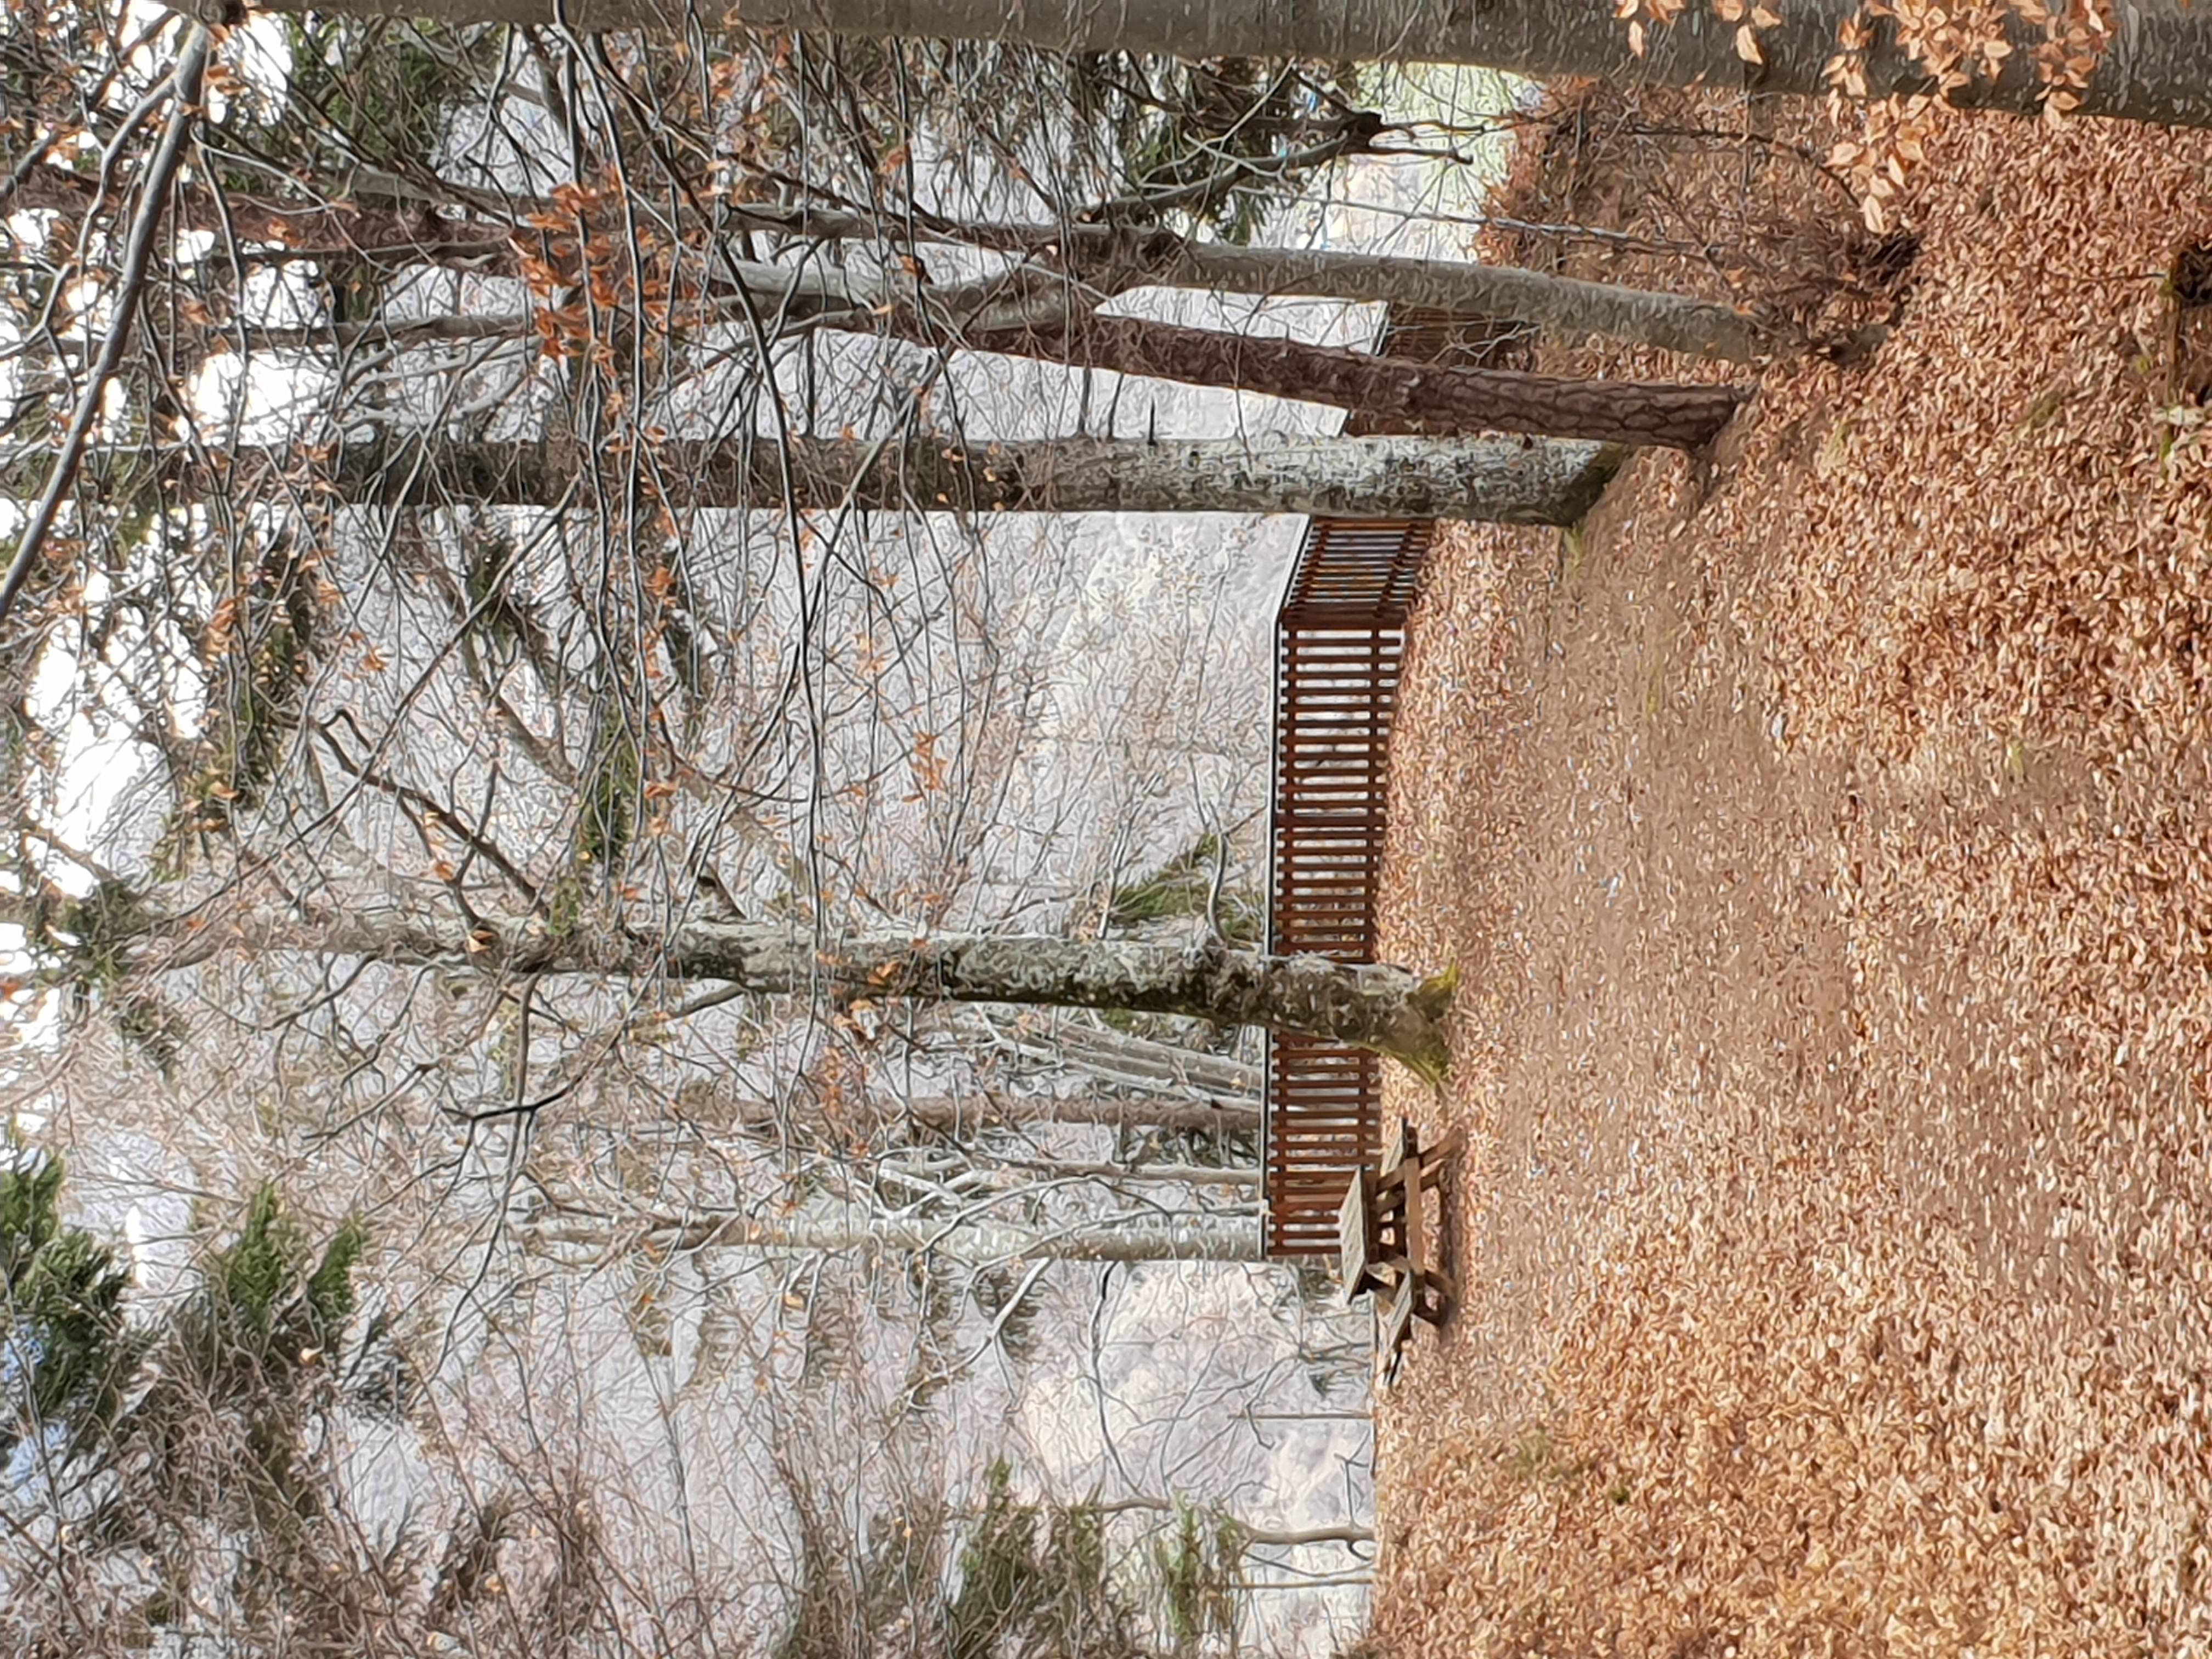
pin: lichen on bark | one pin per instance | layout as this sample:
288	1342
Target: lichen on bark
1371	1005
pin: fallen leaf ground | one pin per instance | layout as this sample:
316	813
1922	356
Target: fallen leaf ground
1826	840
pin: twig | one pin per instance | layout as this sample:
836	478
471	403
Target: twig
192	67
999	1324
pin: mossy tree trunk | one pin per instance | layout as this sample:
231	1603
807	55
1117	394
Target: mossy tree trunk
1368	1006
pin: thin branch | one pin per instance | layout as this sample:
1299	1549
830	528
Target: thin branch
192	69
436	813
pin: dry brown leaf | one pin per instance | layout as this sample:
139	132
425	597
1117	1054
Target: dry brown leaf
1823	845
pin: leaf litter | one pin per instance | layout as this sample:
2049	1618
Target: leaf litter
1826	838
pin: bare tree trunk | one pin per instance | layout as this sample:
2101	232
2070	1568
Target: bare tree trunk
1113	259
960	1114
1106	257
1288	1537
1457	288
966	1240
1502	481
2157	65
1172	1174
1365	1005
385	235
1291	1537
1110	1057
1002	1110
1391	394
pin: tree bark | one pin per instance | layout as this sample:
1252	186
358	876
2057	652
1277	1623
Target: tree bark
1391	394
1050	321
1365	1005
962	1115
1107	258
1112	1058
1024	1111
1497	480
1112	260
1176	1174
971	1241
1288	1537
2157	66
381	235
1457	288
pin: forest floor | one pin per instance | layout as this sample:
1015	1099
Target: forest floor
1826	838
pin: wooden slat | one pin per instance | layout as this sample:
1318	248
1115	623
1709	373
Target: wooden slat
1340	641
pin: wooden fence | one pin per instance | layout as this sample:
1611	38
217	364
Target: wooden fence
1339	639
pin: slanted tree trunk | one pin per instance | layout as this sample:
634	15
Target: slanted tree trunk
1391	394
1365	1005
1118	1060
1106	258
1456	287
1035	316
1498	480
1138	1175
1112	259
2157	66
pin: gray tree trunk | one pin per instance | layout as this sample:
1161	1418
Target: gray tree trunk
1348	1533
974	1241
1112	260
1463	289
1138	1175
1365	1005
1497	480
1113	1058
957	1115
2157	68
1108	260
1039	314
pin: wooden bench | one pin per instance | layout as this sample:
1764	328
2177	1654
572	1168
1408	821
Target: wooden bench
1390	1244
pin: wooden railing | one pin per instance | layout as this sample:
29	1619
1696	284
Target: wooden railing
1339	638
